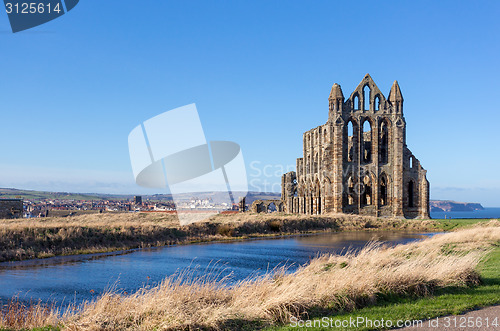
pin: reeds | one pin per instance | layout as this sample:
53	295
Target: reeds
328	283
26	315
93	233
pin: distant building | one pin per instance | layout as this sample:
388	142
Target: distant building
11	208
138	200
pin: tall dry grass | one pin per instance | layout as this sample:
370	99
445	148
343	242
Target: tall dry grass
92	233
328	283
19	315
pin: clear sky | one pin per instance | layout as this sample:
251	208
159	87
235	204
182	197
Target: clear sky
259	72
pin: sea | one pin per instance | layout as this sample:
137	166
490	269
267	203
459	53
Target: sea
485	213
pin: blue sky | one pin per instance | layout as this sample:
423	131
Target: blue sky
259	72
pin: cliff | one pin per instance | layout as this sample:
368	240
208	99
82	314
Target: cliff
447	205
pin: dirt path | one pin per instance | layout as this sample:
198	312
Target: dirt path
481	319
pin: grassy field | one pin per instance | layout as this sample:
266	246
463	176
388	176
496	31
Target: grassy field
22	239
262	302
444	301
42	195
443	274
452	224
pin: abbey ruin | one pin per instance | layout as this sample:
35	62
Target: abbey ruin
358	161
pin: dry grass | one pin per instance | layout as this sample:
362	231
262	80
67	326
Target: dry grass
18	315
92	233
327	284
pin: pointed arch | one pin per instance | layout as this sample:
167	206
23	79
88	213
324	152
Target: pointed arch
271	208
350	190
367	99
327	186
318	197
366	141
383	190
376	103
315	164
302	194
367	91
384	138
411	193
412	162
366	194
301	188
350	140
355	102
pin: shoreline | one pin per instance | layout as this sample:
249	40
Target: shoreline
378	281
107	234
443	266
443	302
62	259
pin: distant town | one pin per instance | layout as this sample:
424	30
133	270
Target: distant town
28	204
16	203
68	207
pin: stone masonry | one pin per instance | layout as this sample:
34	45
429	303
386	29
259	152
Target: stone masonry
11	208
358	161
267	206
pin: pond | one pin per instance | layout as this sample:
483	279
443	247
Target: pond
76	278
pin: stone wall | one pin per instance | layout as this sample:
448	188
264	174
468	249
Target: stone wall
11	208
358	161
267	206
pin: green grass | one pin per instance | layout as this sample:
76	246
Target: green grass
445	301
9	193
452	224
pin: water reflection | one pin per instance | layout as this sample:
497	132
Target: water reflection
78	278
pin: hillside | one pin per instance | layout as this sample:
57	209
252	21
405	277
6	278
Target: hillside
448	205
435	205
9	193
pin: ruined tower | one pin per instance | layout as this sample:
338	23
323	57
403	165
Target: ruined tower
358	161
